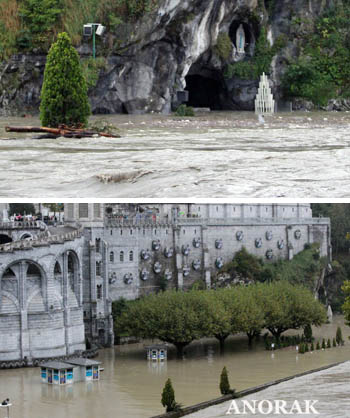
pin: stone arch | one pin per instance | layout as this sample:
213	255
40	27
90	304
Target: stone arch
32	268
35	302
12	299
26	235
5	239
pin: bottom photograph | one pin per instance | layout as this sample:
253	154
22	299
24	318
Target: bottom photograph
169	310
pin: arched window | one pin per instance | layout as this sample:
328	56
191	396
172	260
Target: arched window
121	256
111	257
98	268
99	291
98	245
131	256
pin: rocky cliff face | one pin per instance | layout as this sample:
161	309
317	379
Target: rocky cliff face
171	50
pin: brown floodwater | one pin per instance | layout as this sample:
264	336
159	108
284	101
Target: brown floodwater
219	154
131	386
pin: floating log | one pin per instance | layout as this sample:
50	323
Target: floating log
61	131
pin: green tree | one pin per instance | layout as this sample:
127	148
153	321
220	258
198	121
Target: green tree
22	208
339	336
323	344
318	346
224	383
64	97
174	317
289	307
248	315
329	343
168	397
334	342
220	314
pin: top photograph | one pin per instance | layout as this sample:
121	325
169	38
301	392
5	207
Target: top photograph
174	98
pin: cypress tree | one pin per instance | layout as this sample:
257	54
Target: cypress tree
318	346
64	97
302	348
339	336
306	348
224	383
168	397
323	343
329	343
334	343
312	348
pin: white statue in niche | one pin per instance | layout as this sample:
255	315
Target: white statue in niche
240	40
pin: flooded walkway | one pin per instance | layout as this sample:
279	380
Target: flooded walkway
330	388
130	386
222	154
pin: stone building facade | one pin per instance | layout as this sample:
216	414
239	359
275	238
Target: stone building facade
60	284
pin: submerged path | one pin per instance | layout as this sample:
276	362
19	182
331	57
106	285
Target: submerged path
222	154
329	387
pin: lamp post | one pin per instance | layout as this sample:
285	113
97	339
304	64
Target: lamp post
93	29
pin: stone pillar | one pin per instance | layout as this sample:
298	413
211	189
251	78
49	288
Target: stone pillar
180	278
66	309
22	284
93	271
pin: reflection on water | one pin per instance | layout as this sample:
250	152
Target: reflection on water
222	154
131	386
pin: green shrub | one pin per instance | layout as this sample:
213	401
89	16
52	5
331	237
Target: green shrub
312	347
223	46
224	383
39	18
184	110
339	336
318	346
323	344
302	348
334	343
329	343
252	68
168	397
64	97
306	348
91	70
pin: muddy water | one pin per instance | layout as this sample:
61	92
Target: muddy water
222	154
131	386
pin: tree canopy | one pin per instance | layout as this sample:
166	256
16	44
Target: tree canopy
64	99
180	317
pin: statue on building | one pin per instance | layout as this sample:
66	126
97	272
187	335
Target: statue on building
240	39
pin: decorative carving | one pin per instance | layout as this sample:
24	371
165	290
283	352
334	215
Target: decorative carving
144	275
297	234
258	242
218	244
128	278
239	235
269	235
145	254
157	268
186	271
196	264
196	242
269	254
168	274
112	277
186	249
219	262
10	286
168	252
156	245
